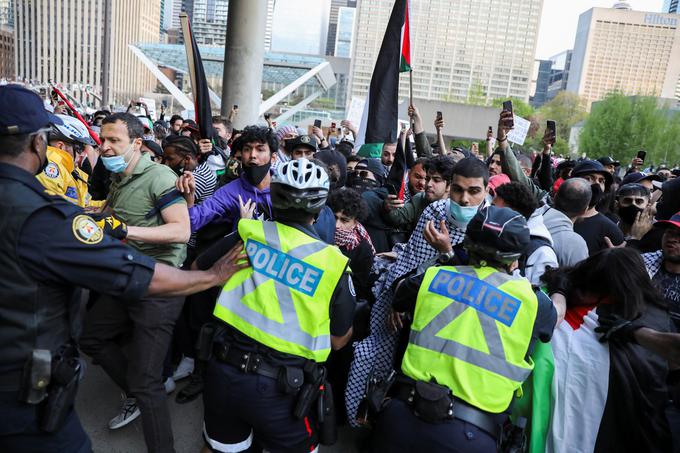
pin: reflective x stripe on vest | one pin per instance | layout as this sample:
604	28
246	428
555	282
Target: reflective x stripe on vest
461	313
293	269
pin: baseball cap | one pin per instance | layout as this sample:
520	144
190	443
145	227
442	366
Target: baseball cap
638	176
673	221
154	147
609	161
500	229
498	180
588	167
27	113
308	141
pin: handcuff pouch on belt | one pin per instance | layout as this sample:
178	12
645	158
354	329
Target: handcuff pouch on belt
431	402
52	383
36	377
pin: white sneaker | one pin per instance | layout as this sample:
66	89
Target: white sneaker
184	369
128	412
169	385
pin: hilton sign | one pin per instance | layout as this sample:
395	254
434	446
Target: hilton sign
658	19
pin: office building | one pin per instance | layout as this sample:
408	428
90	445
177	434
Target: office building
559	73
6	39
209	21
670	6
551	78
456	45
338	12
344	37
618	49
6	52
85	42
544	67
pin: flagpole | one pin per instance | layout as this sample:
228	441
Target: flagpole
410	92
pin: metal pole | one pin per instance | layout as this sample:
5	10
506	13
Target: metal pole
410	95
106	55
244	60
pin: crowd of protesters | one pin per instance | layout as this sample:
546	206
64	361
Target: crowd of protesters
604	237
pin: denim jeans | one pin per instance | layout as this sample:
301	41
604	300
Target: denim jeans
148	325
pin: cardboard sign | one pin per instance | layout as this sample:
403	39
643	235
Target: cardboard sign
519	133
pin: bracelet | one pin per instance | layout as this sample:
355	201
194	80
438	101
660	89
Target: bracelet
505	139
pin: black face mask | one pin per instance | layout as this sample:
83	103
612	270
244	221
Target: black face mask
360	184
44	163
628	214
598	193
255	174
178	170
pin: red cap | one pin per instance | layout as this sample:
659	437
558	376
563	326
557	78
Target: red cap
498	180
674	221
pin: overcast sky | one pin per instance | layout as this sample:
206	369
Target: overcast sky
560	18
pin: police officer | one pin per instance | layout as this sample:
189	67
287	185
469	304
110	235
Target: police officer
471	333
61	176
48	246
280	320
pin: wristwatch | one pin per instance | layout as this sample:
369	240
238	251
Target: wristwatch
446	257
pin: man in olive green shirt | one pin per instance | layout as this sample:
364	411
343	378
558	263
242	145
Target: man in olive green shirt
158	225
133	196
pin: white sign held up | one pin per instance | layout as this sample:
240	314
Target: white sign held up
519	133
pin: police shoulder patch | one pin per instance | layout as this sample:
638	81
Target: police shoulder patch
86	230
52	170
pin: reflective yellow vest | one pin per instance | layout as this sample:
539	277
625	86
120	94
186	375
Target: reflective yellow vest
58	179
283	300
471	332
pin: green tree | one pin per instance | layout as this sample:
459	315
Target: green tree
476	95
620	126
519	107
566	109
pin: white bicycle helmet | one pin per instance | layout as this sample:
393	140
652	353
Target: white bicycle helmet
300	184
71	131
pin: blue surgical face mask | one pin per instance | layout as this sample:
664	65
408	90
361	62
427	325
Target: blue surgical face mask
117	164
462	214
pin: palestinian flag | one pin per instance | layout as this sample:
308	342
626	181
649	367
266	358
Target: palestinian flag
585	396
379	121
199	83
398	175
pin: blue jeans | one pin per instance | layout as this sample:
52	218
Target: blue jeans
19	431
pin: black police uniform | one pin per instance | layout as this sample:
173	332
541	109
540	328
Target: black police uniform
244	407
48	248
453	435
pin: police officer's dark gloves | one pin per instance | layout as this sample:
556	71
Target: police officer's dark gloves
557	281
615	328
113	227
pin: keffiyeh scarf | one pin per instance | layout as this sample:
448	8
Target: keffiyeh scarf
350	239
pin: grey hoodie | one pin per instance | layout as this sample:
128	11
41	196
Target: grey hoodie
569	247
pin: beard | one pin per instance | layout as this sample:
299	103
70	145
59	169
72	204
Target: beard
675	259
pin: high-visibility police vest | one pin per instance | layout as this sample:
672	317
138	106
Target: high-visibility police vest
62	177
283	300
471	332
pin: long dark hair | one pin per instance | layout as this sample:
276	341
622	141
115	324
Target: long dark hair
618	274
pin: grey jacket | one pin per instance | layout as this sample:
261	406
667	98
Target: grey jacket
569	246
